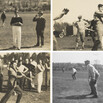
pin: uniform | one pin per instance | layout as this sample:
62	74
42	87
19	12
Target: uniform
16	31
3	18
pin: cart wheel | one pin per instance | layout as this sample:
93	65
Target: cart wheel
61	35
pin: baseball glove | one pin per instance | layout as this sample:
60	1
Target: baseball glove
65	10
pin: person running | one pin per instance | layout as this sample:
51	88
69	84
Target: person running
16	23
93	75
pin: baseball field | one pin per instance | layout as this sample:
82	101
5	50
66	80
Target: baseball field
28	32
67	90
69	42
28	96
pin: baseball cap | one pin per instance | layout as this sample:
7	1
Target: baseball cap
87	61
40	12
79	17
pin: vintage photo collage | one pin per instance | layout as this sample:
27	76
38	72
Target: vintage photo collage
51	51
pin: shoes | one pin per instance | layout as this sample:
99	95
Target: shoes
95	96
90	93
36	45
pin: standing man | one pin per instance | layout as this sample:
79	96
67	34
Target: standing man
74	73
93	75
3	18
99	26
16	23
81	26
40	26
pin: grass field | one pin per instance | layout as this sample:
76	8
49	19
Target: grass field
69	42
67	90
28	33
28	96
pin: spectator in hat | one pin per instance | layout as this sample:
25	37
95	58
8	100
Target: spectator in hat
3	18
40	26
93	75
16	23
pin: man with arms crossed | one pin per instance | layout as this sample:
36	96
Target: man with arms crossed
93	75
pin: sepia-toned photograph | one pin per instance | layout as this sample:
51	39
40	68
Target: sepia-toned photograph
77	25
25	24
24	77
77	77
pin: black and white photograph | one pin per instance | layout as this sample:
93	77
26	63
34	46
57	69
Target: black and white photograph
25	77
25	24
77	77
77	25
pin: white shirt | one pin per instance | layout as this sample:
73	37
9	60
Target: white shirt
74	70
34	63
92	72
22	68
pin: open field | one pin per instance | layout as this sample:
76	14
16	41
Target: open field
28	33
28	96
67	90
69	42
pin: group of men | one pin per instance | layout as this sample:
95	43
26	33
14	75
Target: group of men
22	74
17	22
95	27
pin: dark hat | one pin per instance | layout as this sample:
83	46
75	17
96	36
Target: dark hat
87	61
40	12
79	17
100	5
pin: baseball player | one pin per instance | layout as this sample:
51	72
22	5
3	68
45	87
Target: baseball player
99	25
74	73
16	23
93	75
64	12
81	26
40	27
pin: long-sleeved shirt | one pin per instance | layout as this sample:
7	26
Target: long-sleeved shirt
40	23
15	20
92	72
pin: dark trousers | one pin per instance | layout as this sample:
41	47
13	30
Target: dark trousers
40	34
93	88
74	75
10	92
1	81
21	82
96	45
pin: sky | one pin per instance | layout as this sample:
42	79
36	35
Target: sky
86	8
78	57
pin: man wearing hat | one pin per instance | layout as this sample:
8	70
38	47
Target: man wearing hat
16	23
81	26
40	26
93	75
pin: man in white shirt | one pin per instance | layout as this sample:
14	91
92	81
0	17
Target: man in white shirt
22	69
93	75
74	73
81	27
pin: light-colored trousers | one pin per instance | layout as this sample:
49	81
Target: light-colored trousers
100	32
16	31
39	81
